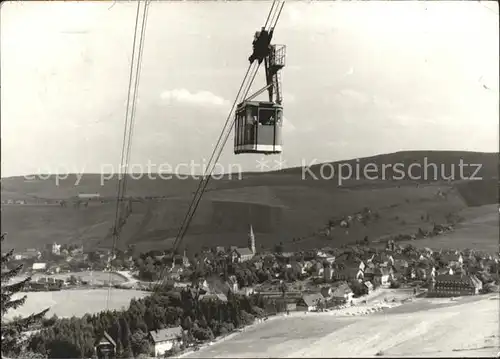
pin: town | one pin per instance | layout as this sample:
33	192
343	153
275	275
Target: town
320	280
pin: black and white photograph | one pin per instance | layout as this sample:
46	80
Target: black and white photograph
249	179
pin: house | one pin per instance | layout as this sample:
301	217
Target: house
202	283
330	259
348	274
318	269
361	265
384	275
240	255
105	347
369	286
299	268
89	196
39	267
78	251
166	339
342	294
175	273
310	302
321	254
246	291
56	249
213	296
447	285
258	264
220	249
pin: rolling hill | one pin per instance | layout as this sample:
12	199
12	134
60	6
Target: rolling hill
282	206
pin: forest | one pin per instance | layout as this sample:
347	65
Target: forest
201	319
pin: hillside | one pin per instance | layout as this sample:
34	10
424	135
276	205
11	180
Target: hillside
419	329
281	206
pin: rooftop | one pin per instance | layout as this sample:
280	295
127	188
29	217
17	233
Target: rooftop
166	334
243	251
312	299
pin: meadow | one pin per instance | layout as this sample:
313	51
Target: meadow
75	302
433	332
479	231
282	206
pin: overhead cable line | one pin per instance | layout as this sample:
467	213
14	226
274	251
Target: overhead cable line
120	213
208	173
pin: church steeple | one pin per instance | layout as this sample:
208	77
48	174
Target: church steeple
251	240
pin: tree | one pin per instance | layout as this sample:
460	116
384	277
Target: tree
12	329
139	343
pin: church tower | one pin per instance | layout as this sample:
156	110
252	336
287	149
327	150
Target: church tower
251	240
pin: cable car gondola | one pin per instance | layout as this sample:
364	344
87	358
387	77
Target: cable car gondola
258	124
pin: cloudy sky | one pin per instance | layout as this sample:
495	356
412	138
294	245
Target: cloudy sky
361	79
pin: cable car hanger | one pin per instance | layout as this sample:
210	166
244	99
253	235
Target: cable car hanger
258	124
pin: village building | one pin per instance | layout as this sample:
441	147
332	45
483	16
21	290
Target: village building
166	339
213	297
239	255
299	268
310	302
384	275
56	249
342	294
202	284
89	196
39	267
105	347
347	274
317	269
175	272
369	286
246	291
447	285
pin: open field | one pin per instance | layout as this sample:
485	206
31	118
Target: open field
293	216
77	302
282	206
480	231
463	328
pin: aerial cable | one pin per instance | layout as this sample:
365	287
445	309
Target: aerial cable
269	15
203	184
225	125
181	232
119	184
279	14
206	178
136	89
126	145
216	146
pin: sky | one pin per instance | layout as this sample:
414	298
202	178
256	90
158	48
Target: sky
362	78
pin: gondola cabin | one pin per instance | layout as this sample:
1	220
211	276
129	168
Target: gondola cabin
258	128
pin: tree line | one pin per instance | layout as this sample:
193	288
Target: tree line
201	319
